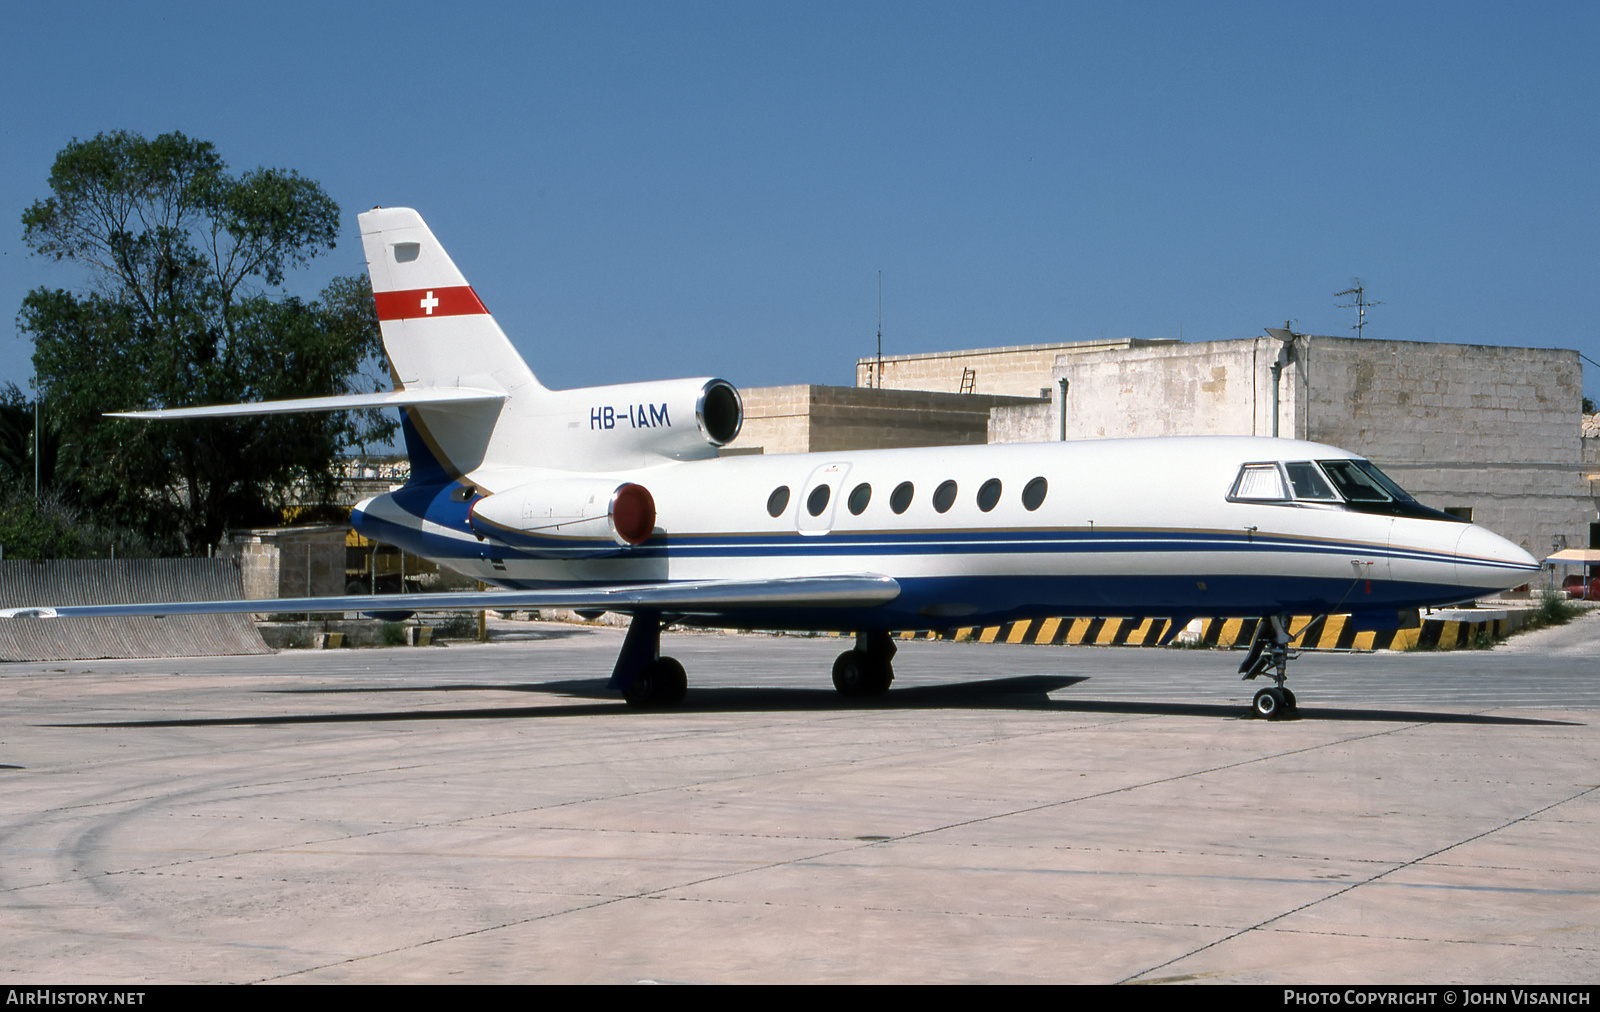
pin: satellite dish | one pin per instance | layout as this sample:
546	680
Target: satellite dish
1281	334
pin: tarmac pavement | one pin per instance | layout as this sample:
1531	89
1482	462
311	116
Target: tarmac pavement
1007	814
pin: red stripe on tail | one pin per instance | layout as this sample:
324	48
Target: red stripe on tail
422	303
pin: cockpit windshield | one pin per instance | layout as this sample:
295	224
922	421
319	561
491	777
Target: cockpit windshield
1355	484
1361	481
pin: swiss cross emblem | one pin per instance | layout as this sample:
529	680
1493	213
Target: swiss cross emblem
429	302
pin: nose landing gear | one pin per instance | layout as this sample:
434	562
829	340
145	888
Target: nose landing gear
1269	652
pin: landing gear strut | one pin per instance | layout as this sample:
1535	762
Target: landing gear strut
644	676
1270	650
866	670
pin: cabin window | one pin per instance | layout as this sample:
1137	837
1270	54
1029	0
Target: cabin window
1308	482
859	497
944	496
900	498
989	495
817	501
778	501
405	252
1259	481
1033	495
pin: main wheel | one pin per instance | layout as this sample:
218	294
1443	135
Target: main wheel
855	675
671	682
1269	703
1288	701
662	683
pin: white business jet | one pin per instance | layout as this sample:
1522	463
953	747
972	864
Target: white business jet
615	499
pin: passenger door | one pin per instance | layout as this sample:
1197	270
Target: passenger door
821	489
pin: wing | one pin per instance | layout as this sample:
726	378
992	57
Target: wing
383	399
709	597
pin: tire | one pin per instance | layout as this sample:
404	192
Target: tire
1268	703
850	673
855	675
643	687
662	682
671	682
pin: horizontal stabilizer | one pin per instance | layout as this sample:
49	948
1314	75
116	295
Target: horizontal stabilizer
437	396
698	597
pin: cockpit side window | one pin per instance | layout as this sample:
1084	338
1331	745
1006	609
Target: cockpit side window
1307	482
1258	482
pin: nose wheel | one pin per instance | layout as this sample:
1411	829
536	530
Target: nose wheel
1270	654
1273	704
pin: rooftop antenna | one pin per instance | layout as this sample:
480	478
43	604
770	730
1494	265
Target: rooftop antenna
1359	305
879	373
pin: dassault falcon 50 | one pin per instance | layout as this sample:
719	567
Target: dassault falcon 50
615	498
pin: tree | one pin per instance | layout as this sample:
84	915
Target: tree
181	254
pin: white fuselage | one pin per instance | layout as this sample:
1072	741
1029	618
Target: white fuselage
1125	527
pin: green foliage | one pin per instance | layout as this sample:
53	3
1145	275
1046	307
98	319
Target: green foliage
394	634
38	530
50	528
178	249
1554	609
16	437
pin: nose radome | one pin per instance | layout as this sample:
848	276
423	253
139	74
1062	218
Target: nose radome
1488	561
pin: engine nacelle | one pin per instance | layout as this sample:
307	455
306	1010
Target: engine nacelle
635	424
567	517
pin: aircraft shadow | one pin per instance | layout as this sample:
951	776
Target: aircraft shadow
1026	692
1001	693
1029	692
762	698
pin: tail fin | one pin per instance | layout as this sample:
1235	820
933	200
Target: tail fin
473	408
439	335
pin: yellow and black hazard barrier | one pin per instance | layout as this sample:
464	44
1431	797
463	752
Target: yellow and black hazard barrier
1331	632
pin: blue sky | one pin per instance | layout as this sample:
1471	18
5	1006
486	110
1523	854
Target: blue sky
667	189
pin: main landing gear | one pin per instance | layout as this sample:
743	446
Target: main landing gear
644	676
649	680
866	670
1270	650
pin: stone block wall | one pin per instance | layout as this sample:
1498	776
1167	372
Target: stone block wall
1413	401
290	561
1016	371
776	420
1214	388
810	418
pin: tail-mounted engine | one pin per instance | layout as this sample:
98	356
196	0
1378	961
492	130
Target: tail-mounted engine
567	517
638	424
